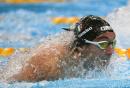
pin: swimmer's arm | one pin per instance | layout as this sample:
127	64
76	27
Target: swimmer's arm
42	66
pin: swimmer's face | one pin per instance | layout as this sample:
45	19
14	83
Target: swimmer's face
99	57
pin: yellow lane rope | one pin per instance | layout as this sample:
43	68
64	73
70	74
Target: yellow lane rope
9	51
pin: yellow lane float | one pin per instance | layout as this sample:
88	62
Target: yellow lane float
59	20
120	52
123	52
65	20
9	51
30	1
72	20
1	50
6	51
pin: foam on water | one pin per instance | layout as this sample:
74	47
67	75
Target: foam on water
18	60
120	22
14	64
18	22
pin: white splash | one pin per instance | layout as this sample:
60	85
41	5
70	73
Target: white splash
120	22
18	60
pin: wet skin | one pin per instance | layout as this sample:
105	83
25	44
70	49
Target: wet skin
45	63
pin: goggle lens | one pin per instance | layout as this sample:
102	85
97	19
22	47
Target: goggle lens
105	44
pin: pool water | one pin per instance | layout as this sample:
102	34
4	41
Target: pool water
36	19
31	25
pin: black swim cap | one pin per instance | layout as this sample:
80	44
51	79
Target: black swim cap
90	27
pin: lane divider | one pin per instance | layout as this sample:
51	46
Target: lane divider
31	1
5	52
122	52
65	20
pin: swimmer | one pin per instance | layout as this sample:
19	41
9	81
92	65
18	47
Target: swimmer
91	47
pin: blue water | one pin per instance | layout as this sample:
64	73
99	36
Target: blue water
36	18
72	83
25	25
79	7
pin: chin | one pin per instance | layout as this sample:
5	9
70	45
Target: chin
104	61
100	62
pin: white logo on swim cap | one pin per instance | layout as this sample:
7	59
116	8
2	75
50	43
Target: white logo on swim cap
84	32
105	28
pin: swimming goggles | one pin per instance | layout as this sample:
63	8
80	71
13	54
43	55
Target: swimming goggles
102	44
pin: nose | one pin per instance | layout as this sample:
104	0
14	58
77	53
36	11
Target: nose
109	50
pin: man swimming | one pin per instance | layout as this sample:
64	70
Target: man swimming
90	47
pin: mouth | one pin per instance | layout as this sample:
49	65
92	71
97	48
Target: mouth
105	58
97	62
103	62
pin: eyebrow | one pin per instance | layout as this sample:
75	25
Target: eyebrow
103	37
